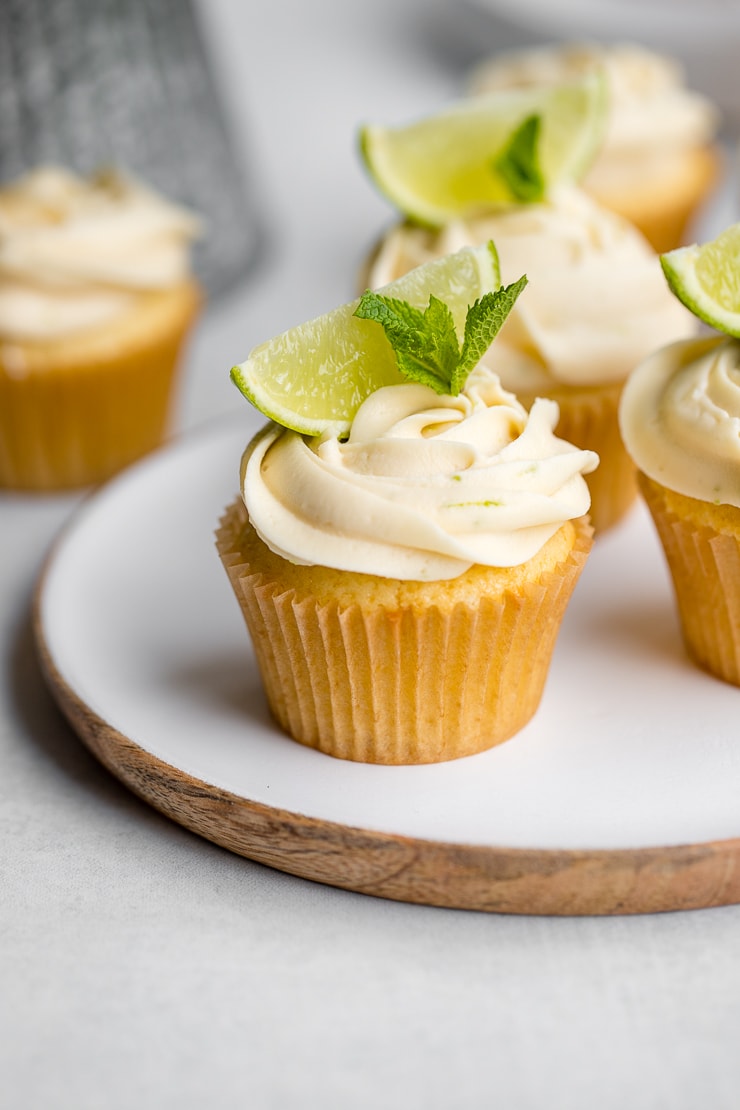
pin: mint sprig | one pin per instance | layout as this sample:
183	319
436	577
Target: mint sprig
425	342
518	163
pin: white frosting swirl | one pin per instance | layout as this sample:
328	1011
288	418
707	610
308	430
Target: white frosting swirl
75	253
653	117
424	487
596	304
680	419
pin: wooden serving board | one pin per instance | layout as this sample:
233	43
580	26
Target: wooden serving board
622	796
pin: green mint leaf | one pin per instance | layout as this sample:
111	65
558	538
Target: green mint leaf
425	343
440	330
422	371
518	162
484	321
398	318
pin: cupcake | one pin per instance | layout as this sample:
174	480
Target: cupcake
660	160
596	305
96	300
403	577
680	419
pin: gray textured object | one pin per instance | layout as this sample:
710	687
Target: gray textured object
91	82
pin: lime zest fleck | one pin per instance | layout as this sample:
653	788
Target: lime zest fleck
489	504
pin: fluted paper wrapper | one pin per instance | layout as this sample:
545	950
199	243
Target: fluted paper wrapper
71	423
408	684
589	419
702	547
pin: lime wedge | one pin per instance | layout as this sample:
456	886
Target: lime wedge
314	377
707	279
444	167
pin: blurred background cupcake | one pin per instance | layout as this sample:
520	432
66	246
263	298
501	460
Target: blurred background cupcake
660	159
96	300
596	303
101	277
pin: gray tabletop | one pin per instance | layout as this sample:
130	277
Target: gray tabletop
145	967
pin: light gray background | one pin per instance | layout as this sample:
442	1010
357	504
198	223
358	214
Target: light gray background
143	967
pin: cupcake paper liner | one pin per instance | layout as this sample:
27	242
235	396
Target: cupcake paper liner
66	424
702	547
393	684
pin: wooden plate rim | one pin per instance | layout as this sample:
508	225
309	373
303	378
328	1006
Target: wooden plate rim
407	869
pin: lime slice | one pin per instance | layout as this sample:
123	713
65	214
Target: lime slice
707	279
443	167
314	377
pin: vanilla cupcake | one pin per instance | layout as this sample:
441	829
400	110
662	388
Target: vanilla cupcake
96	299
596	304
680	419
660	159
404	586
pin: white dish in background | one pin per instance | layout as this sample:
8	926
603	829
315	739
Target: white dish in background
660	22
632	746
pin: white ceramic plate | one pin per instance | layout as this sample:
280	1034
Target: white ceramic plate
632	746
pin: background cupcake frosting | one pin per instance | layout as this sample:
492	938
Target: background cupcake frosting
653	115
75	252
596	302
